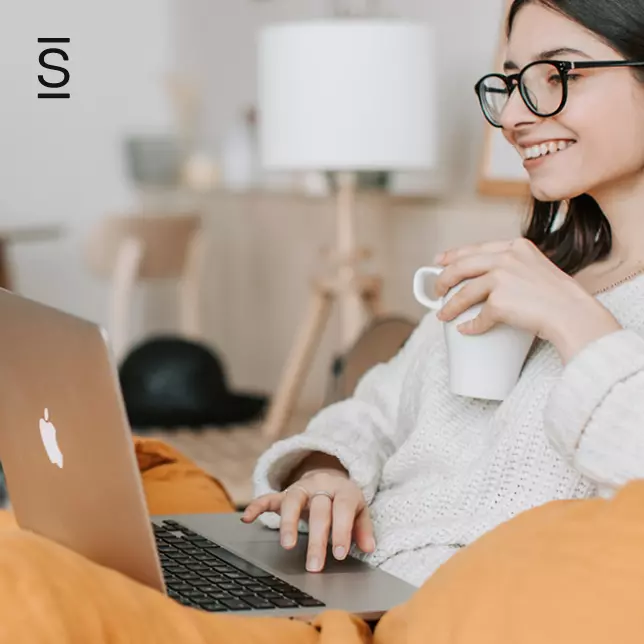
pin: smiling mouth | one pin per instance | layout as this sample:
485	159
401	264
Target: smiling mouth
544	149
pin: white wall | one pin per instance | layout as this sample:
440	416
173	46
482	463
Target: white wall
61	160
216	44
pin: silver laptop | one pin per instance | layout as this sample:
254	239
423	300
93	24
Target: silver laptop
72	476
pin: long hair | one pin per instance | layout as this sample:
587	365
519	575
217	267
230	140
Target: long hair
584	236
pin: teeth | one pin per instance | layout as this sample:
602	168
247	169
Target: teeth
543	149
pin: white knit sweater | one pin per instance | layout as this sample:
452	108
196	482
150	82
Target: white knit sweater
439	470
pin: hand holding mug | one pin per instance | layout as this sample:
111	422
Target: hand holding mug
487	365
517	285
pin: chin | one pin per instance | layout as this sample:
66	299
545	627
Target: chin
554	191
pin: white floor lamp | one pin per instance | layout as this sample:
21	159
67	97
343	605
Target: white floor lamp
342	95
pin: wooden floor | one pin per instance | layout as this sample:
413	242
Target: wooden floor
229	454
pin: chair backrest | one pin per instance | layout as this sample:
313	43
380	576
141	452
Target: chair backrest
127	249
379	342
166	241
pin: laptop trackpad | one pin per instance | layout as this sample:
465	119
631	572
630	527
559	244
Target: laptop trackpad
293	562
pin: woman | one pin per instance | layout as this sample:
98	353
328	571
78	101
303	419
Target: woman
406	473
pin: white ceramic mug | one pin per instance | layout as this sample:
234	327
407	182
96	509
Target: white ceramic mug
484	366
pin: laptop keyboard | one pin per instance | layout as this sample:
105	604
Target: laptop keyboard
202	574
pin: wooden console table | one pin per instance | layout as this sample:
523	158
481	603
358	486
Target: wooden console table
19	234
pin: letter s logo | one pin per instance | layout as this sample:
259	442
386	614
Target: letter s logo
44	63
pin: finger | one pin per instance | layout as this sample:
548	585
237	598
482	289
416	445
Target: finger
466	268
320	513
294	501
345	507
363	531
472	293
266	503
454	254
482	323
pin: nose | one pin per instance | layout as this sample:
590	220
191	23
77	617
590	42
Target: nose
515	114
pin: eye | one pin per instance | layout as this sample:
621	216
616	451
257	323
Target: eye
574	77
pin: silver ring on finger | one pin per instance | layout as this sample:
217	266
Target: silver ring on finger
322	493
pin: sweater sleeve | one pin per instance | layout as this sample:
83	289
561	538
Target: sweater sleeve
361	431
595	414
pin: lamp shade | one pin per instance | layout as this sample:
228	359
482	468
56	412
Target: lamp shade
352	94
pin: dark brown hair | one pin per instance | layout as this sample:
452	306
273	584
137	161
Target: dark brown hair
585	235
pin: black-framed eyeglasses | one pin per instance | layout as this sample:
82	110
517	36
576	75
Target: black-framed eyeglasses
543	85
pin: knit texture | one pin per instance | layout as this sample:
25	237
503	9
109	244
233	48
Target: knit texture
438	470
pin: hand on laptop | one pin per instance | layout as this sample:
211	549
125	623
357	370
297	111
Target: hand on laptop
332	504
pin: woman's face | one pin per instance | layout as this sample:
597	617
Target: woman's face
600	133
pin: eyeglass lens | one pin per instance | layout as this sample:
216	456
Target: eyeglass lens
542	90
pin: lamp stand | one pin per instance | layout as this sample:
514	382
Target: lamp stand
356	294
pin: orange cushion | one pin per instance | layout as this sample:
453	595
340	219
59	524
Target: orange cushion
173	484
569	571
51	594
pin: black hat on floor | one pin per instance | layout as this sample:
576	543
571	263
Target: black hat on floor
171	382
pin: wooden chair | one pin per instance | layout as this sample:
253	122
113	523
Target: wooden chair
380	341
127	249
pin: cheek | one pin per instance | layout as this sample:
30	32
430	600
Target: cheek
613	151
626	144
612	127
614	132
609	147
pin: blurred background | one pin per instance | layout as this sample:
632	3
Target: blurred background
163	123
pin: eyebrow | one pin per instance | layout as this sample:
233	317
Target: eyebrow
508	65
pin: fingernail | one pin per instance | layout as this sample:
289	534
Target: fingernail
371	544
313	564
339	552
288	541
439	258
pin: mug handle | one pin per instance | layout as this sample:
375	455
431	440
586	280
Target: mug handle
419	286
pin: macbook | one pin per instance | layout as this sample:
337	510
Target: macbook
72	477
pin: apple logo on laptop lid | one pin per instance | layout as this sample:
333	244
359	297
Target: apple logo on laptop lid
48	436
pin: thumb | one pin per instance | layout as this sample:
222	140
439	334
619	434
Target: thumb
482	323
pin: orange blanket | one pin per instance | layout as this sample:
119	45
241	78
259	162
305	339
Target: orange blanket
566	572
